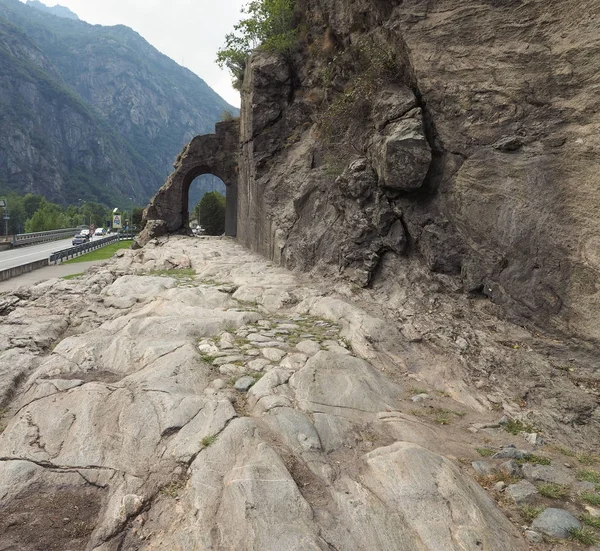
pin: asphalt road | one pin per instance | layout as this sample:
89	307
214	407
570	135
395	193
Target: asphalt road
25	255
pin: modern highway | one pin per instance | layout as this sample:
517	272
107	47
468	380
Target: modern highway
31	253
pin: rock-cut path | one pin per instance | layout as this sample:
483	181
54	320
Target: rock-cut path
190	396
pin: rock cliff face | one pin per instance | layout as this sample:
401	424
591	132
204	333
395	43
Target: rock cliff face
462	136
91	112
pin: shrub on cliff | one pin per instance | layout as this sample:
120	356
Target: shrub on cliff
269	26
211	213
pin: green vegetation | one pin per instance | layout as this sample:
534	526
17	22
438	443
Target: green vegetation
211	213
365	68
529	512
587	458
589	476
172	490
208	440
440	416
536	459
102	253
33	213
590	520
583	535
514	426
553	491
591	498
269	27
72	276
485	452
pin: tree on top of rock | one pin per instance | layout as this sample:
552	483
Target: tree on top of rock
211	213
270	27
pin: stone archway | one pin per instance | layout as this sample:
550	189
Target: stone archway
209	154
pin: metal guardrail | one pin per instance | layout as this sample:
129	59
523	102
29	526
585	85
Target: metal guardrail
77	250
41	236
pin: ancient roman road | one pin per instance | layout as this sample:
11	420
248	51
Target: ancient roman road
192	396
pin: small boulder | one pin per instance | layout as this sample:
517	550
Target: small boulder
533	537
510	452
555	523
243	384
511	468
273	354
483	468
521	491
546	473
310	348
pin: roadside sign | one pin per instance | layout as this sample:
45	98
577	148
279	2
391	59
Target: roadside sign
117	221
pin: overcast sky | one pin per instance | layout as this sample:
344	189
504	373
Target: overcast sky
188	31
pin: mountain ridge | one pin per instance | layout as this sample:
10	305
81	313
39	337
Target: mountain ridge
58	10
141	105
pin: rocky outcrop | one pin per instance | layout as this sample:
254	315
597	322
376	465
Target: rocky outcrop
132	415
477	127
190	395
215	154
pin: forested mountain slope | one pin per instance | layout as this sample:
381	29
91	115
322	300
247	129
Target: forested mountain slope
91	112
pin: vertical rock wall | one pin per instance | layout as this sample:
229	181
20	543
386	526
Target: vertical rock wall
479	156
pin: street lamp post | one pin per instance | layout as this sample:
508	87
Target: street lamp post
6	216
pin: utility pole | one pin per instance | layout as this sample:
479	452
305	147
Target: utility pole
4	205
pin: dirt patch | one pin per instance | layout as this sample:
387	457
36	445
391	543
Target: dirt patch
50	521
91	377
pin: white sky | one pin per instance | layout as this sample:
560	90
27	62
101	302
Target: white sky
188	31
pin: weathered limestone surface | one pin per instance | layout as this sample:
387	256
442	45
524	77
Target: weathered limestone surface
126	429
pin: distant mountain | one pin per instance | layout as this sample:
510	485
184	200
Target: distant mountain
92	112
60	11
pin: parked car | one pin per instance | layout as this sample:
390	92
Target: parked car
79	239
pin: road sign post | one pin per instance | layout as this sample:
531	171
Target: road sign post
4	205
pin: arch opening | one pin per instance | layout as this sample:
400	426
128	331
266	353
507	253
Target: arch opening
207	214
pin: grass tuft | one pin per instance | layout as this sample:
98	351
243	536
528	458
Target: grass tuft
587	458
536	459
514	426
553	491
485	452
208	440
591	498
440	416
180	273
589	475
103	253
72	276
583	535
172	490
529	512
590	520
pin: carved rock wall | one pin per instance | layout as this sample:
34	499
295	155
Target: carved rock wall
481	159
